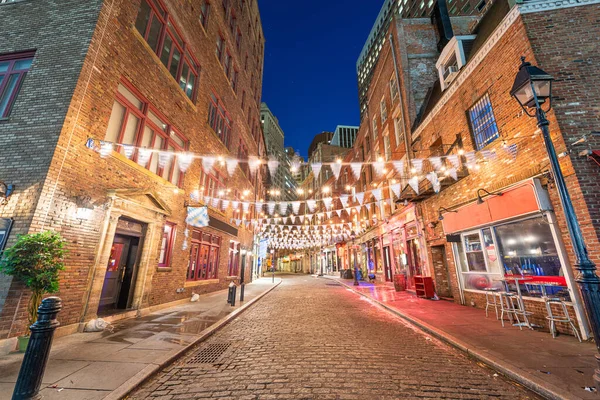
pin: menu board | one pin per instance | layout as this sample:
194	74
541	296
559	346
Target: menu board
5	225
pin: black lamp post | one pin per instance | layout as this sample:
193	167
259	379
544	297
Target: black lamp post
532	89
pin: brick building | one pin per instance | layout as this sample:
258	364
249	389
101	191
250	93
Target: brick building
446	98
171	76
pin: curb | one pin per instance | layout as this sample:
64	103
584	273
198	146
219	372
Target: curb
126	388
518	375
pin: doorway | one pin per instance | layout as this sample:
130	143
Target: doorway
414	261
119	280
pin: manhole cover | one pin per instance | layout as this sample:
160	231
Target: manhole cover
209	354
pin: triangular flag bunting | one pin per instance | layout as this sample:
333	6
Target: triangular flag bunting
360	197
356	167
399	166
396	188
316	169
185	160
414	184
207	163
232	164
377	194
336	168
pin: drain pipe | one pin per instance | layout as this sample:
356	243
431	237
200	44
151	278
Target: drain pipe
406	141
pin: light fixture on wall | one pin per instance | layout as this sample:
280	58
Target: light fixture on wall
85	207
440	216
5	191
480	198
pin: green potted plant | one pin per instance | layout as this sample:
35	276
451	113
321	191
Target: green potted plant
36	260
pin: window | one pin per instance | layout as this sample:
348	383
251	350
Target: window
238	40
383	111
387	148
225	6
204	12
393	89
219	120
134	121
213	183
227	65
220	48
233	267
13	69
162	36
243	155
367	144
398	134
204	256
232	22
234	80
374	127
483	123
243	99
166	245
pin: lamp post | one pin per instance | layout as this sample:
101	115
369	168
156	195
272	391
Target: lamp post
532	89
242	274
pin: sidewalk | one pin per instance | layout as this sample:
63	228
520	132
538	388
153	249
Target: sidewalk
101	365
555	368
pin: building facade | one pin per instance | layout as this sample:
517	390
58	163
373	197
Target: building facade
143	83
344	136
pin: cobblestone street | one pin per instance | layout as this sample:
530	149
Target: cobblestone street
311	338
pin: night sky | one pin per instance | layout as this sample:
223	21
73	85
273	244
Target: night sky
310	63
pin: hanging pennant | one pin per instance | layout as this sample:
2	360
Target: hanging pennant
283	207
512	150
273	164
185	161
106	149
454	160
344	200
215	203
224	204
327	202
435	182
245	207
197	217
399	167
144	156
336	168
414	184
208	163
164	158
232	164
253	164
417	164
489	154
301	218
328	214
471	159
316	169
311	205
377	194
296	207
379	167
360	197
128	150
271	207
356	167
339	213
258	206
396	188
436	162
235	205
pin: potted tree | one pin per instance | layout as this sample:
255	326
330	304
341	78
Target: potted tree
35	259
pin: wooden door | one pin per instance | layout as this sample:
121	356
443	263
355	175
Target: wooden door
114	271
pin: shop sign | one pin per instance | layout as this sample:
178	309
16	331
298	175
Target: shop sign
491	253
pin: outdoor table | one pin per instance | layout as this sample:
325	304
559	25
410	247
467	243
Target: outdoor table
518	280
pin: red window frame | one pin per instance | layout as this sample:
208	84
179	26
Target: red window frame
234	80
204	13
205	252
212	182
233	266
145	121
219	120
227	62
188	68
166	245
220	48
8	96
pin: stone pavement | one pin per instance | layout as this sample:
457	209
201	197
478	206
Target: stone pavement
99	365
558	368
311	338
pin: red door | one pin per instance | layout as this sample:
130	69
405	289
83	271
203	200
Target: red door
194	254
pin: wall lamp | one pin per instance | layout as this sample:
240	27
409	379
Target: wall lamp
480	198
440	216
5	192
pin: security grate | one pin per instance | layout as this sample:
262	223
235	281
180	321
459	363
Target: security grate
209	354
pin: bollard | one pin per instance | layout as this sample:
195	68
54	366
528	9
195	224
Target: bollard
38	350
231	294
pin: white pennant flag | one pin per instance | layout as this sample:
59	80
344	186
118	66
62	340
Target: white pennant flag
128	150
453	160
417	164
379	166
344	200
414	184
271	207
311	205
436	162
245	207
470	157
283	207
215	203
336	168
377	194
207	163
327	202
253	164
339	213
316	169
399	166
235	204
296	207
106	149
258	206
301	219
453	173
356	167
273	164
232	164
396	189
164	157
185	160
360	197
225	204
144	156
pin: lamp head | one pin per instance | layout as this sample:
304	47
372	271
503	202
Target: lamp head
531	83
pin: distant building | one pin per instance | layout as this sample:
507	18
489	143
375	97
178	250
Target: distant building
274	138
344	136
323	137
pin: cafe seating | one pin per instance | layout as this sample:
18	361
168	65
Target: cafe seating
512	306
491	300
564	317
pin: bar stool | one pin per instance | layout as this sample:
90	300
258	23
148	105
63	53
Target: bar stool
491	300
507	306
564	318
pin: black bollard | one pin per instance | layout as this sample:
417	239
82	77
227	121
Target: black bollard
231	294
38	350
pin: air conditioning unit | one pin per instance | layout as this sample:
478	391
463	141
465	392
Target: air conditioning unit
449	74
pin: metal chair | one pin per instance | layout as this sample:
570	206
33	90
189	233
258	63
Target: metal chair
491	296
512	306
564	318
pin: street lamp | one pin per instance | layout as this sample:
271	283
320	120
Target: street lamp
532	88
